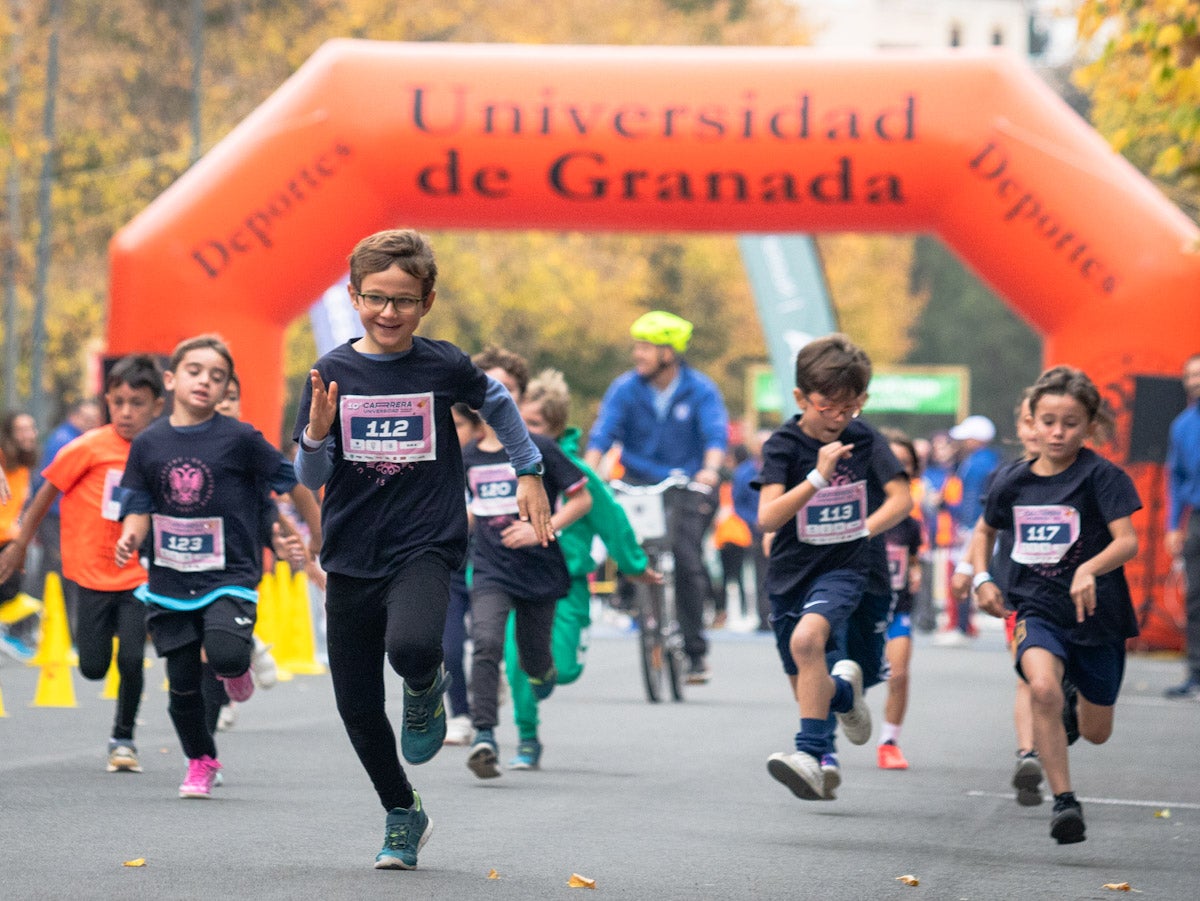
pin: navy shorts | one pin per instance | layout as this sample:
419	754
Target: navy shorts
834	595
1096	670
900	626
174	629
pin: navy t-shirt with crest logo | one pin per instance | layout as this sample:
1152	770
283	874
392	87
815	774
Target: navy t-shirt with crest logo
206	485
531	573
1057	522
397	484
829	532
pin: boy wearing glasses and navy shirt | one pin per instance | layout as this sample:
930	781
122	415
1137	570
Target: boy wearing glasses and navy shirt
829	483
376	430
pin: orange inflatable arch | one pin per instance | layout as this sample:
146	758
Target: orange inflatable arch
368	135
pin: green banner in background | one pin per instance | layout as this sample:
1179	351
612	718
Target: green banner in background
792	297
934	390
916	392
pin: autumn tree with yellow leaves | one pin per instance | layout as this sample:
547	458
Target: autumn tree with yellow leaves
124	134
1145	87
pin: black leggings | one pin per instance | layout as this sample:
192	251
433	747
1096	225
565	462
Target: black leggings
227	653
101	617
404	617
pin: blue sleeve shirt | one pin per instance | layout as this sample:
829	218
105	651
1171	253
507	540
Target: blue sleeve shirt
1183	466
654	445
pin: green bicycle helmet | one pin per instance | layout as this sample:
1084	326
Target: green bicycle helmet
661	327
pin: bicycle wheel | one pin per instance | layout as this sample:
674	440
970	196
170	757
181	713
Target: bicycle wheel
650	637
672	643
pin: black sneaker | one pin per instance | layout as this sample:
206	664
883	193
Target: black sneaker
542	688
1183	691
1066	826
1070	714
698	672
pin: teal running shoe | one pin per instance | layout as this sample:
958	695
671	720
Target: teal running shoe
529	755
484	759
424	727
407	831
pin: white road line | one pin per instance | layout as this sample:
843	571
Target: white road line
1118	802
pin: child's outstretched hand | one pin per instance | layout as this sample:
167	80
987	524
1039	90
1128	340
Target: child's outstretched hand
1083	593
289	547
12	559
828	456
534	507
648	577
518	534
127	546
990	600
323	408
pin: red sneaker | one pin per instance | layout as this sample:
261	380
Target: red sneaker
891	758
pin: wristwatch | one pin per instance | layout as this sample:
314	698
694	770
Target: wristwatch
535	469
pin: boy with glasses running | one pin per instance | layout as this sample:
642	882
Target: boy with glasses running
829	482
376	430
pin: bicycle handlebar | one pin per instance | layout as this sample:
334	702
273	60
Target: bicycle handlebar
672	481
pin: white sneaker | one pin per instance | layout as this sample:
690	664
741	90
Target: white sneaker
459	731
800	772
227	717
262	665
856	722
951	638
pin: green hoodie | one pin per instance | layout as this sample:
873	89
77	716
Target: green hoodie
606	519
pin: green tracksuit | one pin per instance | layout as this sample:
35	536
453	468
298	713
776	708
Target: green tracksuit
572	616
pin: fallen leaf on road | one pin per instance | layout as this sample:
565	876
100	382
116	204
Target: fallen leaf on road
492	874
577	881
1164	814
908	880
1119	887
140	862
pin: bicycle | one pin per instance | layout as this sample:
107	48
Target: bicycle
664	664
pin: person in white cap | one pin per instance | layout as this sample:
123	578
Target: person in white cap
975	434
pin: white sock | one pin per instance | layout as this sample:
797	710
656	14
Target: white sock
890	732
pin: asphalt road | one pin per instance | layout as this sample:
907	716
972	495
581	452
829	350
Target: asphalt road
651	801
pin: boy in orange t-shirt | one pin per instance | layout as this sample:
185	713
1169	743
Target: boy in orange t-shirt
87	472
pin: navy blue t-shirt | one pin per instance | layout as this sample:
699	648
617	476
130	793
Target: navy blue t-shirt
206	485
829	533
1000	566
903	542
397	485
1058	522
532	573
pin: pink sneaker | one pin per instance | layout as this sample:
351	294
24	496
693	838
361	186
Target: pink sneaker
239	688
202	773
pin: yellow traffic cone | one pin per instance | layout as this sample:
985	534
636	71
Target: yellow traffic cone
269	623
55	687
112	679
55	644
299	651
266	625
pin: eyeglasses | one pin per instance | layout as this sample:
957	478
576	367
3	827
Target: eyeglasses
836	412
377	303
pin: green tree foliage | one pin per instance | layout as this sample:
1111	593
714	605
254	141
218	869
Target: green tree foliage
124	126
1145	87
